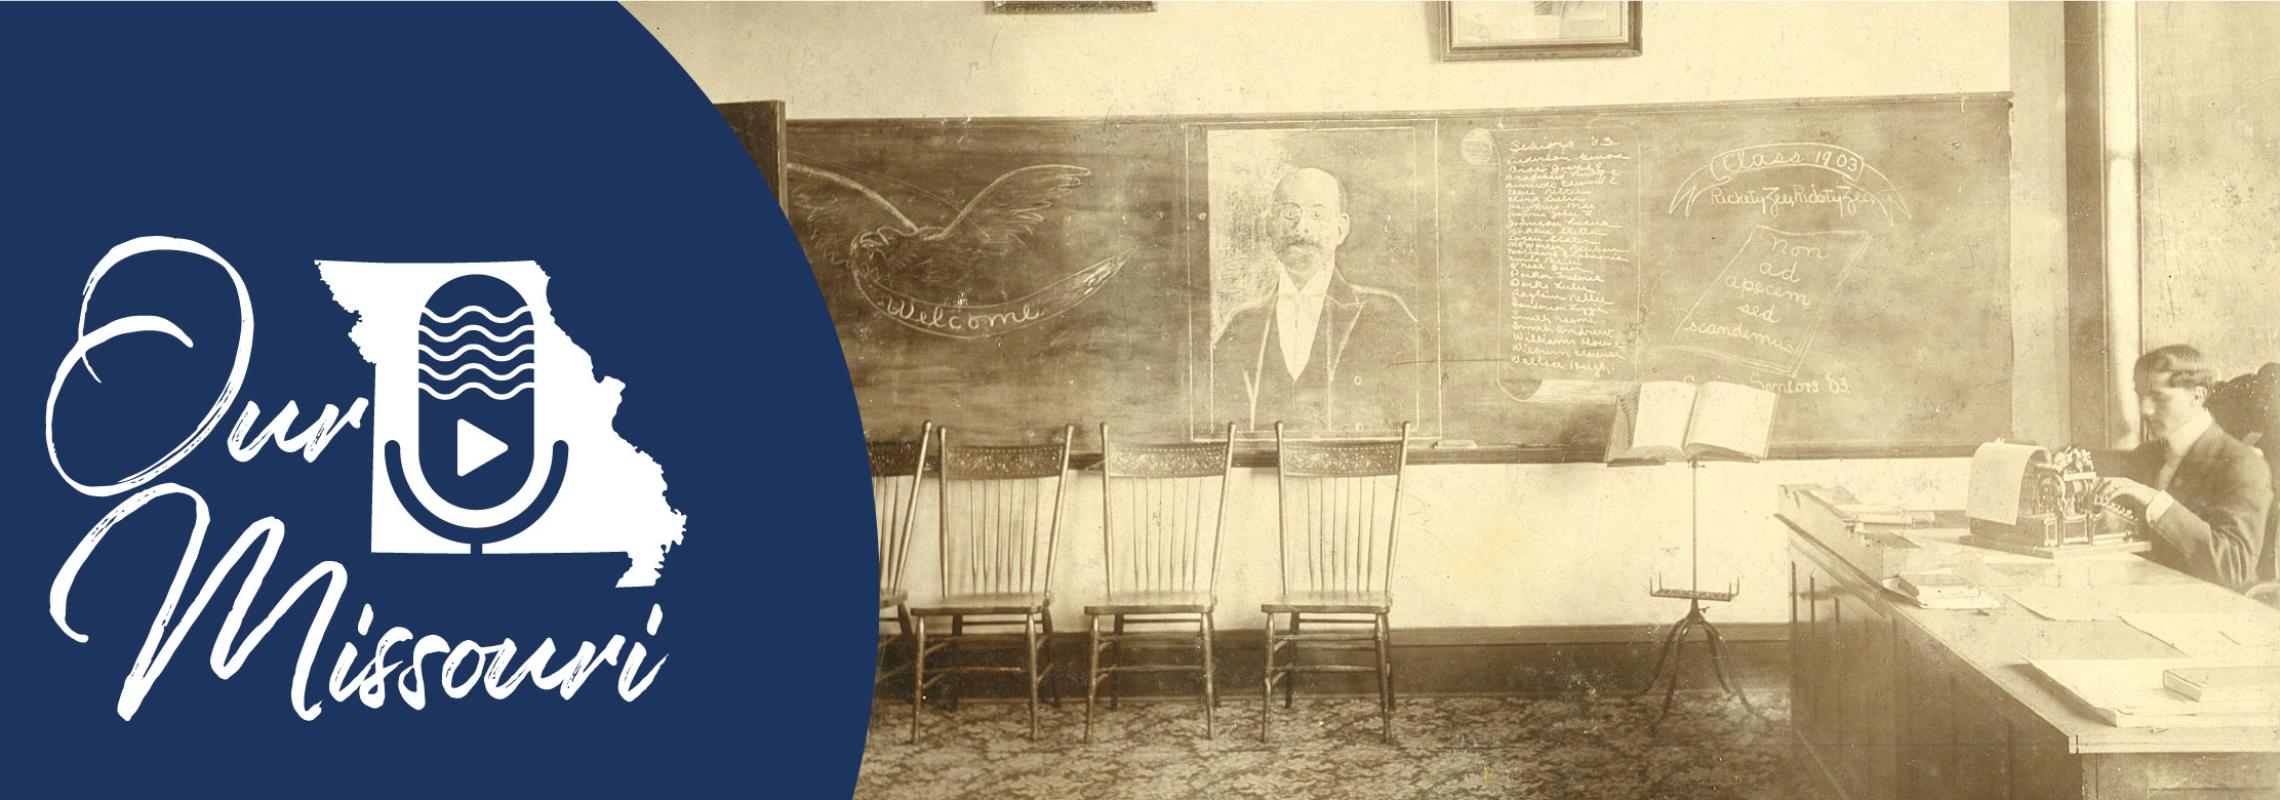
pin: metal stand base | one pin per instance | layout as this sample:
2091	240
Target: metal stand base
1674	644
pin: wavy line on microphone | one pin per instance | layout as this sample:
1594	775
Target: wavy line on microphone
428	334
487	352
487	373
499	391
429	314
463	389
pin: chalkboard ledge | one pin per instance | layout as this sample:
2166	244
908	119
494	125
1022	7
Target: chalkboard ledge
1425	454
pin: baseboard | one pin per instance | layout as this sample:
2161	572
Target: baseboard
1576	634
1533	661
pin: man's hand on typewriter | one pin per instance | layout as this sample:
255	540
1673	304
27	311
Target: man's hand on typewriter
2136	495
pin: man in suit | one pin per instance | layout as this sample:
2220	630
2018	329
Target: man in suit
1321	353
2203	494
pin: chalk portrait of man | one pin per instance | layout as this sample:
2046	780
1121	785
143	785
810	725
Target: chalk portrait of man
1321	351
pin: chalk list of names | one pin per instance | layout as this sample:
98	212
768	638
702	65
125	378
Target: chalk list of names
1571	277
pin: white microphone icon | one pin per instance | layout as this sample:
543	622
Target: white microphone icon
476	420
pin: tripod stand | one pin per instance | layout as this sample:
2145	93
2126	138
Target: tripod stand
1674	642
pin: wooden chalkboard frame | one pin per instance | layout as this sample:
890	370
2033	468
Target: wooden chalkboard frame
760	125
1960	98
1255	455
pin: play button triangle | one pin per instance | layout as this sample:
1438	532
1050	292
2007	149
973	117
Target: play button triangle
476	447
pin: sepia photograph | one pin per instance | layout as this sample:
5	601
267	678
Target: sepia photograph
1803	400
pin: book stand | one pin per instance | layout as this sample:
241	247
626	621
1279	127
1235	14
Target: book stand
1674	642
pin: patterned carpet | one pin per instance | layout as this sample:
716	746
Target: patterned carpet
1576	748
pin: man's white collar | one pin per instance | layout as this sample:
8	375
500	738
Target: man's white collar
2183	438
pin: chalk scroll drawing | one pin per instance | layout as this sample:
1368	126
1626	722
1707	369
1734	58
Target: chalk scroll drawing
1860	185
959	279
1765	307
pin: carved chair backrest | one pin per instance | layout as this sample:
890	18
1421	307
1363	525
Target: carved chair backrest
1162	508
1001	514
1339	507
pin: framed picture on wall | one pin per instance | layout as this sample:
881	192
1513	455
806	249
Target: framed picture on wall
1496	29
1069	6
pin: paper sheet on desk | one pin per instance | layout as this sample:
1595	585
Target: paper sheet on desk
2079	603
2128	692
1996	468
1978	599
2211	635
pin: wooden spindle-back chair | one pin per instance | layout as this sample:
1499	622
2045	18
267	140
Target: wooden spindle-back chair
1339	508
1000	520
1162	508
897	470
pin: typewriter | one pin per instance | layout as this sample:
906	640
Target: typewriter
2025	499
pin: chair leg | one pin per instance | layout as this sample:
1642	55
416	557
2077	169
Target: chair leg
1116	679
902	621
1029	636
1209	694
1290	681
1092	671
917	678
902	624
957	653
1385	677
1267	684
1211	637
879	667
1392	686
1045	651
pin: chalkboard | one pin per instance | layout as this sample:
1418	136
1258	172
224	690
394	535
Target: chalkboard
1489	276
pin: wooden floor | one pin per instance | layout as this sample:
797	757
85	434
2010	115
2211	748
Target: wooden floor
1582	746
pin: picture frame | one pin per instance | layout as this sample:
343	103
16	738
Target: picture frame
1069	6
1480	31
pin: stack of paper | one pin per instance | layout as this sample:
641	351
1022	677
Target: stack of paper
2077	603
1942	590
1936	585
2236	685
2131	693
1883	514
2212	635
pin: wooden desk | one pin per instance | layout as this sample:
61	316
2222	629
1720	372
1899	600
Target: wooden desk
1894	702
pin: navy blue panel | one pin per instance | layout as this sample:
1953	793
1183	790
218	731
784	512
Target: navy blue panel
280	136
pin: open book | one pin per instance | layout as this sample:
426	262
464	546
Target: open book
1675	420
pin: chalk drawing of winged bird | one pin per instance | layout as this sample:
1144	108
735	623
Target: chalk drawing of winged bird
971	265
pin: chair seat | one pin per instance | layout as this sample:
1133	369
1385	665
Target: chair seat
1154	603
891	598
1330	603
1008	603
